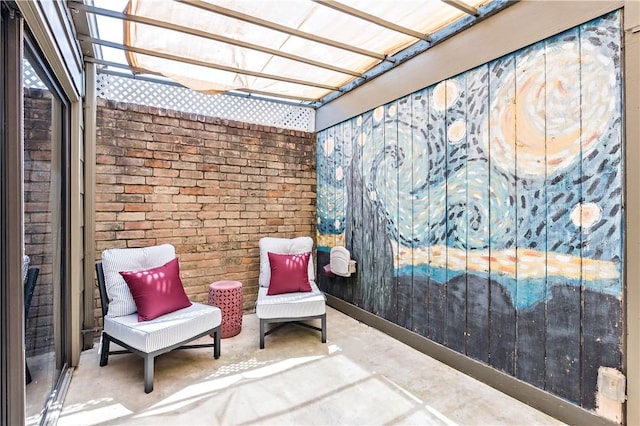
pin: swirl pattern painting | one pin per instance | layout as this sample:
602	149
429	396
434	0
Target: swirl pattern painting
486	210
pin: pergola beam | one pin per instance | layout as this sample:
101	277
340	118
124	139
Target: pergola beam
205	64
372	18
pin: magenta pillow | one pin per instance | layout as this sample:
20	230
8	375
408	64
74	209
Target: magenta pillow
157	291
289	273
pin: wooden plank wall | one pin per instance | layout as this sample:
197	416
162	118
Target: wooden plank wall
486	213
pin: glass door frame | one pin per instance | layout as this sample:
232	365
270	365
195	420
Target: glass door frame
12	371
14	39
61	120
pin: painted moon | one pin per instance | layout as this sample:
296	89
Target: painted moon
445	94
378	114
456	131
585	215
554	105
329	145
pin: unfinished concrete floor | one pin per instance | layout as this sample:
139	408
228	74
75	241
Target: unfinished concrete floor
359	377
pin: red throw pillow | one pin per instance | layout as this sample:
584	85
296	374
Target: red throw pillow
157	291
289	273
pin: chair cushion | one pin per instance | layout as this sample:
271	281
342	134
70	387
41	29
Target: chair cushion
157	291
115	260
166	330
290	305
283	246
289	273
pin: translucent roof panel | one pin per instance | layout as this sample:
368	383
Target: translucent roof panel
304	50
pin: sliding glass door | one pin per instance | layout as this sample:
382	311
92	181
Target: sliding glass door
46	225
34	228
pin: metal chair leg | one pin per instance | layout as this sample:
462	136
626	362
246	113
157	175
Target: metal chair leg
28	373
104	351
324	328
216	342
148	373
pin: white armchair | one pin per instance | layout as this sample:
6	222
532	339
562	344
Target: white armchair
287	291
148	322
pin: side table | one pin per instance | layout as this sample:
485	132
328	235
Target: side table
227	295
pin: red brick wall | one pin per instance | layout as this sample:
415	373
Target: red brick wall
38	238
210	187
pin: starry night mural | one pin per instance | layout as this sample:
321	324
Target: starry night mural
485	211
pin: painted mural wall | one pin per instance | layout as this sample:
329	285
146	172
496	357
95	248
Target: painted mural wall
486	212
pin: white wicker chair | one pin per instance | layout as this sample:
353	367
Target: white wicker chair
288	307
148	339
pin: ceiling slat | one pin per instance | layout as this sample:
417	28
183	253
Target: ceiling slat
460	5
205	64
372	18
249	92
121	66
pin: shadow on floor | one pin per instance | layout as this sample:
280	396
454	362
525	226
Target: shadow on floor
360	376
